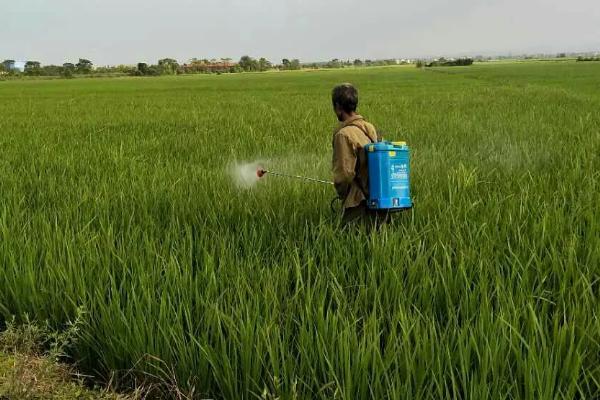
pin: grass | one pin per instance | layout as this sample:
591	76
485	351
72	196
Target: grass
37	377
115	198
30	367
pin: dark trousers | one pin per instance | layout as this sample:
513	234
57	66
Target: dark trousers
362	215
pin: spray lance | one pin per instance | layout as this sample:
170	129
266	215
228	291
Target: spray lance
262	172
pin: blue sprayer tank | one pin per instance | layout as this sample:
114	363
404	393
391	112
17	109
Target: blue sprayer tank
389	176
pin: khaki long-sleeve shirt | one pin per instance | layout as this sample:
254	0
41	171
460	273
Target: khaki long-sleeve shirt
350	173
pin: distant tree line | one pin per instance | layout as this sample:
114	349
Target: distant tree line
290	65
35	68
581	58
442	62
337	63
169	66
165	66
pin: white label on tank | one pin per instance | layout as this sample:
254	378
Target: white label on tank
399	171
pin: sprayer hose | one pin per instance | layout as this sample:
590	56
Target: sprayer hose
332	204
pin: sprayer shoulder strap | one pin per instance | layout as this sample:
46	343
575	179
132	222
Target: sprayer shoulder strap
366	132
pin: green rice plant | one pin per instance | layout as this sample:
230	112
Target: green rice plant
115	198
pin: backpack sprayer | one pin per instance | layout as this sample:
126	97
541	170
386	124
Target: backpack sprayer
389	176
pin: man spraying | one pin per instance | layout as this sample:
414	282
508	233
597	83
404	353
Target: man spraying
350	173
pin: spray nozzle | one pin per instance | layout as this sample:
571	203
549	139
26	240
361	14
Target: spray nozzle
260	172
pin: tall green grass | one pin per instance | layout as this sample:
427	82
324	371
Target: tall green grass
115	198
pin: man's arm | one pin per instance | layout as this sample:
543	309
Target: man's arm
344	164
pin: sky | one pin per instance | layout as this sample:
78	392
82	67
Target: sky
110	32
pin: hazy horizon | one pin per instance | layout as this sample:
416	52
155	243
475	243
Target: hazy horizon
116	32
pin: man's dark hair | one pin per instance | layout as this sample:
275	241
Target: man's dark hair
345	96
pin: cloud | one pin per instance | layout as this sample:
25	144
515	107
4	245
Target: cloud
117	31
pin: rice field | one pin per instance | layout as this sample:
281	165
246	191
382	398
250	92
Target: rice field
116	201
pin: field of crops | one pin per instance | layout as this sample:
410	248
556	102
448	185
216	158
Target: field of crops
115	199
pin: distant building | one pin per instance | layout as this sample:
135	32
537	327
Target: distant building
208	66
12	65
